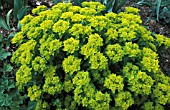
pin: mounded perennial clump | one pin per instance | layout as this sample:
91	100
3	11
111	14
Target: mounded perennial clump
73	58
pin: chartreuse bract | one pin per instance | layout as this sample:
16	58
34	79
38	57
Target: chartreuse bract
72	58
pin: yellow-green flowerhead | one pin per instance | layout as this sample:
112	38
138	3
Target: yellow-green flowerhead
71	45
61	27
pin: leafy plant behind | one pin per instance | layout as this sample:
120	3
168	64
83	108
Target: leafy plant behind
18	6
165	14
6	24
10	97
159	9
19	9
3	44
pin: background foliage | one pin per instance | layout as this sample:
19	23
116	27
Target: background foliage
18	7
160	9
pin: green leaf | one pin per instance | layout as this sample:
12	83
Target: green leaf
7	68
2	89
22	12
4	82
144	3
3	24
158	2
109	4
31	105
1	38
18	4
5	100
165	3
15	105
4	108
121	4
11	84
101	1
115	5
11	36
1	45
56	1
7	17
167	20
7	83
4	54
77	2
19	26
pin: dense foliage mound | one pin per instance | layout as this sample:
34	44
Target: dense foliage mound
77	58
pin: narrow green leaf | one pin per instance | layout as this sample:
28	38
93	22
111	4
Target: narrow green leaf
18	4
22	12
148	19
105	2
115	5
7	17
109	5
157	9
19	26
121	4
11	35
1	38
144	3
3	24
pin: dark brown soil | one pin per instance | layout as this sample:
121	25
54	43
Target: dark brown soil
153	25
